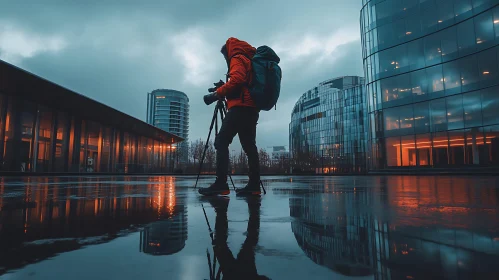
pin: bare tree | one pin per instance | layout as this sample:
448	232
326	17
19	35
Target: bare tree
210	157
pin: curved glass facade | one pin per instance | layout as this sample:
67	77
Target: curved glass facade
328	129
169	110
432	76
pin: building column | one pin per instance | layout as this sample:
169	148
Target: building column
476	154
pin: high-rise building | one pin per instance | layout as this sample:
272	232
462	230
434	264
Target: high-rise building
169	110
328	129
432	83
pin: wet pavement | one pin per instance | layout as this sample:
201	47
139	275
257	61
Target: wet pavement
393	227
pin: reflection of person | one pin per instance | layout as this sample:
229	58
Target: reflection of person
244	266
241	119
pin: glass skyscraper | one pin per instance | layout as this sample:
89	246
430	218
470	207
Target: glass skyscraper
328	129
432	82
169	110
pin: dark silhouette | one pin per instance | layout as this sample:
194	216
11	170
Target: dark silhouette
244	266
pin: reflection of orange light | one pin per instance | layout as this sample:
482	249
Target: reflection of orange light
439	141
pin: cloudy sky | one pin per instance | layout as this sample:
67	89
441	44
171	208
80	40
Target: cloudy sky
117	51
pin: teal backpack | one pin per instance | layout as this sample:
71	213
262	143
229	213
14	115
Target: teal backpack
265	85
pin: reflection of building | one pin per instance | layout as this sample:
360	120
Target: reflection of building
328	126
58	212
433	82
165	237
332	235
169	110
399	235
47	128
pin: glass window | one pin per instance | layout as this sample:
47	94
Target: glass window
484	29
463	9
456	147
435	81
412	26
490	105
452	77
440	149
387	62
438	115
423	144
392	146
455	112
396	90
495	12
415	52
419	85
61	144
469	73
445	13
44	136
429	16
466	37
383	11
406	119
487	67
432	49
386	36
421	117
472	106
481	5
449	44
93	144
408	150
491	149
474	143
399	30
391	119
105	158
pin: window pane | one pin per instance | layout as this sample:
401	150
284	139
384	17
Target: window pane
391	119
490	105
408	150
429	17
440	149
469	73
445	13
456	147
383	11
487	67
495	12
484	29
61	144
432	49
452	77
44	136
387	62
481	5
435	81
419	85
462	8
466	37
492	145
455	112
385	36
423	143
438	115
396	91
474	140
406	119
472	106
412	26
449	44
421	117
392	146
415	52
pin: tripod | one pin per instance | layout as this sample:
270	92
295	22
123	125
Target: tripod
220	109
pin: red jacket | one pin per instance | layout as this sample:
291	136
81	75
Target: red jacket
239	54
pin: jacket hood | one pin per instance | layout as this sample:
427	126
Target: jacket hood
236	46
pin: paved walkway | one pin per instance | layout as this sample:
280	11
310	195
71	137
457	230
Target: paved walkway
371	227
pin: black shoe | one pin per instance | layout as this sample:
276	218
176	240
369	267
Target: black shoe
250	189
216	188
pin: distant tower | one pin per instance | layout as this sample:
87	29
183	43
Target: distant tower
169	110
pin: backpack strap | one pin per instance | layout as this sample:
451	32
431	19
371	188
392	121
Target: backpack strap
247	72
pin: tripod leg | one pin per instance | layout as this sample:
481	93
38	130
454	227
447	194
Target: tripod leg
264	191
206	146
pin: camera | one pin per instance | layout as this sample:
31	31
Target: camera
212	96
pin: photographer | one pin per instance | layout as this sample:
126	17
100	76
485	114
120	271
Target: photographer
241	118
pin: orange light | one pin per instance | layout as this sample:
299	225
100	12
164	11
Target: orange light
486	72
408	33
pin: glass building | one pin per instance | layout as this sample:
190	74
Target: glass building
328	129
47	128
169	110
432	82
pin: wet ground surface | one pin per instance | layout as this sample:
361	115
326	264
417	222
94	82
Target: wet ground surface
392	227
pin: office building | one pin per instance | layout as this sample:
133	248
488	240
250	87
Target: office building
169	110
432	83
47	128
328	129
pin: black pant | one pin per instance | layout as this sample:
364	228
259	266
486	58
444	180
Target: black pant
242	121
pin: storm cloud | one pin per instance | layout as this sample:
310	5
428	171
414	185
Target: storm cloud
117	51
